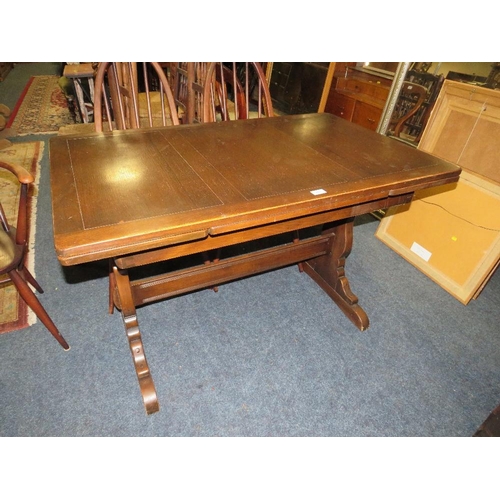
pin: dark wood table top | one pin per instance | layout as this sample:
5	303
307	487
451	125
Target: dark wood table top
128	191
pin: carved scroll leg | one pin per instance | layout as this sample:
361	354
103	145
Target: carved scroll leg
329	272
131	323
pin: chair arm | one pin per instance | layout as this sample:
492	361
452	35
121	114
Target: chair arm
21	173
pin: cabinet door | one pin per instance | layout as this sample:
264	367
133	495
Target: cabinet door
340	105
366	115
480	154
464	128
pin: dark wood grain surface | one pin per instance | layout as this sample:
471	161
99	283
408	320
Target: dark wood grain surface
128	191
147	196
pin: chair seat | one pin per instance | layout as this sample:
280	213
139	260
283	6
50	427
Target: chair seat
77	128
7	250
156	110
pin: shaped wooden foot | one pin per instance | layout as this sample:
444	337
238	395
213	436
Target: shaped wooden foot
328	271
131	324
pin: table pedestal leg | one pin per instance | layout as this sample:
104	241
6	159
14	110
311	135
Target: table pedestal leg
130	321
328	271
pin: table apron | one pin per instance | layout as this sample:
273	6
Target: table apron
243	236
163	286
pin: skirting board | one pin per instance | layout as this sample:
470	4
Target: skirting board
451	233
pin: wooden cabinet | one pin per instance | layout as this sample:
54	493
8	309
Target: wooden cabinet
366	115
452	233
342	106
465	128
359	96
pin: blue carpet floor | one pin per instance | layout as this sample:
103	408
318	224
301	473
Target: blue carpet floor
270	355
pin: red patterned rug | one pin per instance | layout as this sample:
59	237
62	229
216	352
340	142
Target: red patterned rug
14	314
41	109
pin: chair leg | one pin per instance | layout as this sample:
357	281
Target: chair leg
112	286
30	298
27	276
216	259
207	260
296	239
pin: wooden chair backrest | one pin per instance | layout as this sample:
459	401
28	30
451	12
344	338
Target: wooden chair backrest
133	95
25	179
411	98
236	91
187	81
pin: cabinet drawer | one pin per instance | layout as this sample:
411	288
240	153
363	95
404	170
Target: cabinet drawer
368	88
340	105
366	115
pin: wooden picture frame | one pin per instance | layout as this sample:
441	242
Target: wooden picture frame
450	233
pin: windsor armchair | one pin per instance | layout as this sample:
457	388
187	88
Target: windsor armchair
133	95
236	91
13	249
187	82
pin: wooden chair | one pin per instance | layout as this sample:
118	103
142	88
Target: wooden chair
133	95
410	100
187	83
236	91
132	98
433	83
13	249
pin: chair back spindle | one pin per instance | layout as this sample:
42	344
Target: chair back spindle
133	97
236	91
188	83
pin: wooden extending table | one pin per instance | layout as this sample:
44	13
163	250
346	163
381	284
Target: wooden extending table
151	195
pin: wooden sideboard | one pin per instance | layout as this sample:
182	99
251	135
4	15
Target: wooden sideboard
358	96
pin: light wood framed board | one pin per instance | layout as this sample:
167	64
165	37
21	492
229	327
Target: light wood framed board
451	233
